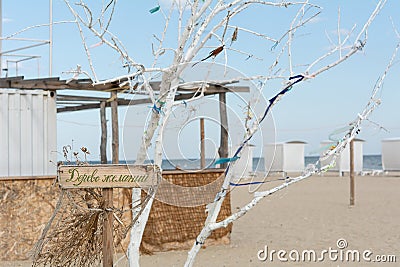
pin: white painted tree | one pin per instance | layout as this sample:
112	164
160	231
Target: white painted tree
206	25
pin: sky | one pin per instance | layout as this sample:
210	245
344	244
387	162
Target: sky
310	112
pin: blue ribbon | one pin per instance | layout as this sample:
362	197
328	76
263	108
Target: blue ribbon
275	45
156	109
224	160
154	9
272	101
250	183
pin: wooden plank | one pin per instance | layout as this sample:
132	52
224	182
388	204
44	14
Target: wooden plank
78	108
121	102
228	89
18	178
47	79
14	132
6	82
54	83
12	78
38	134
45	133
80	98
108	176
26	136
4	137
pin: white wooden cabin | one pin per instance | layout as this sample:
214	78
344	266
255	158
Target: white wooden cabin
391	154
286	157
343	161
28	133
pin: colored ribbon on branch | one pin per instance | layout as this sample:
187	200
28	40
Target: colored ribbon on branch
249	183
275	45
154	9
272	101
225	160
258	182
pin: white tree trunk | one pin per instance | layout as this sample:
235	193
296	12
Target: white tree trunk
136	236
139	226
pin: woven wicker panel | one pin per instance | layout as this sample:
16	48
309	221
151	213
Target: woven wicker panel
27	205
172	227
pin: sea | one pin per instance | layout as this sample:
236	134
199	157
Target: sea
370	162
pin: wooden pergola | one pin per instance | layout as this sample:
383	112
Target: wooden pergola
70	102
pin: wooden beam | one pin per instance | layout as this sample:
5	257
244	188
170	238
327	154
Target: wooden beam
54	83
121	102
103	140
77	108
202	145
223	147
215	89
80	98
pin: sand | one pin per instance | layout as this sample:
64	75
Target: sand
310	215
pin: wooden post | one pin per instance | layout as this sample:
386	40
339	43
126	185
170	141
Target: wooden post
115	132
352	198
108	228
108	251
202	145
223	147
103	140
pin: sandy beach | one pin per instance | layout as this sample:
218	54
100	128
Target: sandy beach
310	215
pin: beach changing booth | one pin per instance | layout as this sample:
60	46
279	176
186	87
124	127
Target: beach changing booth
343	160
28	133
391	154
287	157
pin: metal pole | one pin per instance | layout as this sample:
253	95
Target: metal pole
51	38
352	173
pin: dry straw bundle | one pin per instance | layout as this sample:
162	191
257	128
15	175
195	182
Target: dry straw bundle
73	235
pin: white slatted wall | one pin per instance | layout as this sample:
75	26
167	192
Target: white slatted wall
28	136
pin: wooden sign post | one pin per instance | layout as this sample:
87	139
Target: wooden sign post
108	177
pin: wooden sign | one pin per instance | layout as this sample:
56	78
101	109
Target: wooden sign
108	176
